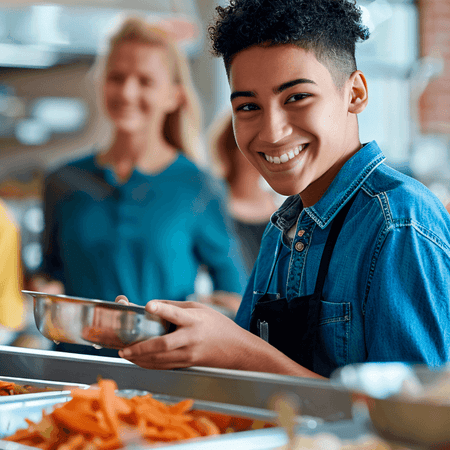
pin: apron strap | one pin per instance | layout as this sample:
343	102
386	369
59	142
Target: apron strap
329	245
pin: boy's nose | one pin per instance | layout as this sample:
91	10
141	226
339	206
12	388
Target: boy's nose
274	127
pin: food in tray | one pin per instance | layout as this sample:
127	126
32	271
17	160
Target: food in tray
435	392
98	418
287	409
10	388
330	442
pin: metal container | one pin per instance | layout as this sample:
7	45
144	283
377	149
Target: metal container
274	438
396	397
50	389
13	417
14	412
75	320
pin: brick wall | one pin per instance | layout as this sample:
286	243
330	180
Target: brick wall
434	26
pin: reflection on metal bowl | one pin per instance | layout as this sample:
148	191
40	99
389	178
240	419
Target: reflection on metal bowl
411	422
407	403
100	323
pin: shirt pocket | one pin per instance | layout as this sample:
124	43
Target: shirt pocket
333	337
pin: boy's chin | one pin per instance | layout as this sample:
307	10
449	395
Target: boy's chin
286	190
283	188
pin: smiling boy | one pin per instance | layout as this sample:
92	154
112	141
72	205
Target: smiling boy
355	265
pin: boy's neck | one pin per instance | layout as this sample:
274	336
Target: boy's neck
315	191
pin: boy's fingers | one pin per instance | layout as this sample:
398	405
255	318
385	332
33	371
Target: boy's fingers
178	304
162	345
160	361
172	311
122	300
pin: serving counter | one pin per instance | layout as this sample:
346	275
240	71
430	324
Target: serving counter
317	398
324	406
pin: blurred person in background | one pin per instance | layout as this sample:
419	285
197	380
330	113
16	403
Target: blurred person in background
140	217
251	201
17	325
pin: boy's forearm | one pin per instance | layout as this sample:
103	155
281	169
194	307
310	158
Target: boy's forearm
259	356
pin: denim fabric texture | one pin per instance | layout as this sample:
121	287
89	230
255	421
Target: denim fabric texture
387	293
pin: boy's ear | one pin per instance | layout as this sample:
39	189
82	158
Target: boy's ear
358	97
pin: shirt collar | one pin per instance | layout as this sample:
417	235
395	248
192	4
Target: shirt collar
349	179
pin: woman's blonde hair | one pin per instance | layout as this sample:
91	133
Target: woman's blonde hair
183	126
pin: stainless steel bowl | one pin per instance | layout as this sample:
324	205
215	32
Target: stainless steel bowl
75	320
400	401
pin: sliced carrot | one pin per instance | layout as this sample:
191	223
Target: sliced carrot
85	394
187	430
107	444
181	407
74	442
205	426
223	421
98	419
79	423
107	404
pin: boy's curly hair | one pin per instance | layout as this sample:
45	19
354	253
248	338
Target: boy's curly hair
329	28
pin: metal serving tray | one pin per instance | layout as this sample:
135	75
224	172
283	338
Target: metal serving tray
56	388
327	400
13	414
262	439
13	418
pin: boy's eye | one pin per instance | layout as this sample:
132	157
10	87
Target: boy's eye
247	107
297	97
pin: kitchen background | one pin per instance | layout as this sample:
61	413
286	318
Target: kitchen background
48	111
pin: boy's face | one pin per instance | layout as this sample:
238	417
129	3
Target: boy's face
290	120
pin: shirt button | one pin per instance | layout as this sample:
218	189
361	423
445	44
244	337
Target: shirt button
299	246
301	233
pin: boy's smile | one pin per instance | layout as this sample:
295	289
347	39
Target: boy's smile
290	119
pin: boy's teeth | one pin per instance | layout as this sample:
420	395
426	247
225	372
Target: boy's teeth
285	157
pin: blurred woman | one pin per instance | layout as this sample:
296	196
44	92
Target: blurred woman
12	309
17	325
251	201
140	218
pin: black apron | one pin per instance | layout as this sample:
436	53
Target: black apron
291	327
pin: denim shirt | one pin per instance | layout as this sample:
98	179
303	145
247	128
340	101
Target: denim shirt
387	293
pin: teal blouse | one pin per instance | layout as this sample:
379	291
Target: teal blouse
145	238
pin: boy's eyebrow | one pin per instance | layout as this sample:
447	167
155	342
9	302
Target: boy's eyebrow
289	84
277	90
242	94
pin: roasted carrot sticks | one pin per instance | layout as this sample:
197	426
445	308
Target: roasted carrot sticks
10	388
97	418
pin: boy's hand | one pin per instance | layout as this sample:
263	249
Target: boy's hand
203	337
122	300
